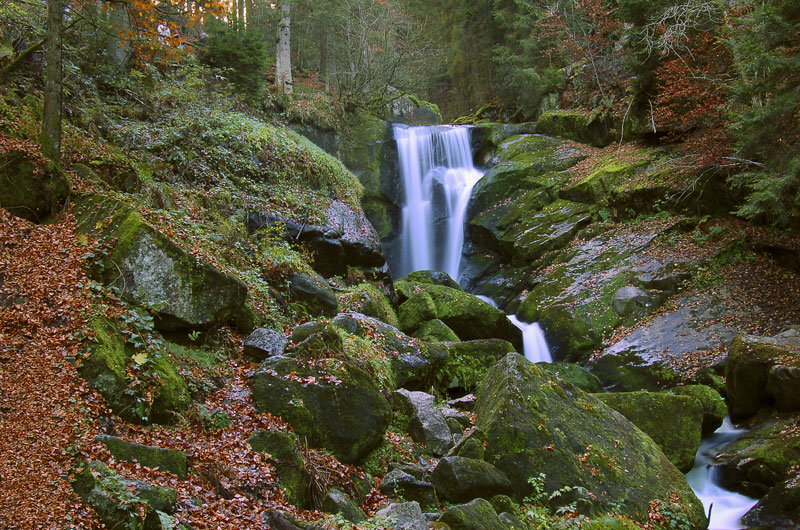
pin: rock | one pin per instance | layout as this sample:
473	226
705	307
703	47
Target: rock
459	479
414	469
331	403
435	331
28	191
368	300
145	455
476	515
413	365
487	138
316	339
411	111
511	521
782	385
466	402
779	509
275	520
673	422
714	407
400	484
99	487
762	458
105	369
263	343
630	299
325	139
149	270
531	423
336	501
314	292
287	459
427	425
418	309
347	238
403	516
575	374
503	503
467	362
750	359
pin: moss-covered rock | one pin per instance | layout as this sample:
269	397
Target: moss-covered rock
779	509
750	359
468	362
418	309
151	271
534	423
673	422
583	127
285	455
714	407
368	300
459	479
330	402
147	456
436	331
106	370
336	501
403	485
29	188
575	374
475	515
413	111
314	293
427	424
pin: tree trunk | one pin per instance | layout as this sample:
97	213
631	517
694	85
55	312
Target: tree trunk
240	18
323	56
50	136
283	61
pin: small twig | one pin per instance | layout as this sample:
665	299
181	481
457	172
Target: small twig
624	118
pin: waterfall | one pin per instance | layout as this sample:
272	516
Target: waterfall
438	176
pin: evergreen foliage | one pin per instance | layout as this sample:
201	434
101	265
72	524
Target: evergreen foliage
243	52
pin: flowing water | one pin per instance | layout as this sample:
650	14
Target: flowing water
438	177
727	507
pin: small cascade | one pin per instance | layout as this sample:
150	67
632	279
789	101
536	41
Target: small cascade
438	176
533	341
727	507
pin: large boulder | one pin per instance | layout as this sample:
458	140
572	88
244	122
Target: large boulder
427	424
469	361
476	515
459	479
673	422
263	343
331	403
403	485
752	380
149	270
30	188
714	407
106	370
285	455
401	516
346	238
314	293
531	422
412	111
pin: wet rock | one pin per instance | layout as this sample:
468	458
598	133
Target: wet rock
782	385
315	293
263	343
714	407
630	299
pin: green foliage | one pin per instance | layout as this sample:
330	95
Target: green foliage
242	54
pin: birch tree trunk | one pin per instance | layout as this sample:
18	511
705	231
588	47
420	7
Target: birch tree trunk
283	60
50	136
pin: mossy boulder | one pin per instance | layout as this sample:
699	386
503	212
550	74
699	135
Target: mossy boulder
598	186
411	364
575	374
412	111
401	516
584	127
435	331
285	455
468	362
336	501
427	424
459	479
416	281
418	309
151	271
475	515
29	188
106	370
531	422
779	509
747	372
120	502
714	407
399	483
487	138
673	422
330	402
368	300
145	455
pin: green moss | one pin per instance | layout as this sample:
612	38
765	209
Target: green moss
418	309
714	407
367	299
27	191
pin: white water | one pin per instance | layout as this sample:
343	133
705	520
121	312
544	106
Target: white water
727	507
533	341
433	157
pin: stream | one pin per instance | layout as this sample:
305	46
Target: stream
438	176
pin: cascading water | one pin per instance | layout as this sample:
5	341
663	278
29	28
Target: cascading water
438	176
727	508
